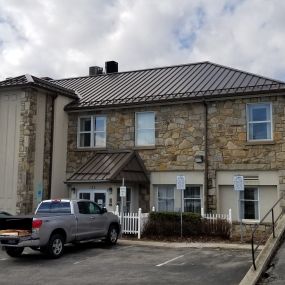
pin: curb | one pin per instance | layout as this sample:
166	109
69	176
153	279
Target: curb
185	244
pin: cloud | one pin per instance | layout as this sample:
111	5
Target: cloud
63	38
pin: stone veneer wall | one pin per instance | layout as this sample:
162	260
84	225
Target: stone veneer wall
228	146
179	137
27	145
27	141
48	147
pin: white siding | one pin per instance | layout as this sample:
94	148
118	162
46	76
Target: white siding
10	105
58	188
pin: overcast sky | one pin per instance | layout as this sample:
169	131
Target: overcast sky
62	38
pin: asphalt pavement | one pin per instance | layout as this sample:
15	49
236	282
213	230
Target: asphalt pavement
127	264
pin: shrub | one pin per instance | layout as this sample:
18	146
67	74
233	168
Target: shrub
167	224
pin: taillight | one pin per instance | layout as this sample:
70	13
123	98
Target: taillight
37	224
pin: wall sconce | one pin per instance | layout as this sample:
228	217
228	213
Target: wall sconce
110	190
199	158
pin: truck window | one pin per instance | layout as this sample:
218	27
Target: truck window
88	208
55	207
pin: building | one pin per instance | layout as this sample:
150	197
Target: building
205	121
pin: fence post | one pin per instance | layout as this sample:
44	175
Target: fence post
139	222
117	210
202	212
230	215
153	209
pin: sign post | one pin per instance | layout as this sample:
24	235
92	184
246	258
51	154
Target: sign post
123	193
180	185
238	181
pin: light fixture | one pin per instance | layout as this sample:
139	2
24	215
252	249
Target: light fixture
199	158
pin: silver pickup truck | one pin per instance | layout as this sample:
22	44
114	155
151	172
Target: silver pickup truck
55	223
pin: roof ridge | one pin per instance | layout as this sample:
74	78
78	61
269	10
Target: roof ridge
130	71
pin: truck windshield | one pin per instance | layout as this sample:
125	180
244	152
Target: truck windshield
55	207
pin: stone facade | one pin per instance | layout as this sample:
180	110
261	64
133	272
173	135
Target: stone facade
227	141
180	136
27	148
26	153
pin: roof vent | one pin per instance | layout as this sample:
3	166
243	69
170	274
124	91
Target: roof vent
111	66
95	70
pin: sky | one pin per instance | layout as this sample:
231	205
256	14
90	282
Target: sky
62	38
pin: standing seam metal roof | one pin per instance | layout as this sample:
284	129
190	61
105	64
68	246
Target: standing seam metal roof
33	81
189	81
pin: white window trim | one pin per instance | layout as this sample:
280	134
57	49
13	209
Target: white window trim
201	196
136	128
174	189
250	122
92	132
258	203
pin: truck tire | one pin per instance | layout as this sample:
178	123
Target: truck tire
112	236
14	251
55	246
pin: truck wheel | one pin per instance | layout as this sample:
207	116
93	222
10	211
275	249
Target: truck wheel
55	246
14	251
112	235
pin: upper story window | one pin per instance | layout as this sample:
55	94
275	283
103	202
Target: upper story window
145	129
92	131
259	121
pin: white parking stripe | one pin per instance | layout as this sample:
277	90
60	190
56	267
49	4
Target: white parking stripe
2	259
161	264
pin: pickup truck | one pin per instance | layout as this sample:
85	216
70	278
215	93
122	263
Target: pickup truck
56	223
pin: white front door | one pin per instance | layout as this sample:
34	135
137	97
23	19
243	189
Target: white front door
97	196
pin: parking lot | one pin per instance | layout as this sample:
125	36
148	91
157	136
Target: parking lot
127	264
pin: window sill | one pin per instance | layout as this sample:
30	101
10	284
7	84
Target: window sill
249	222
90	148
144	147
260	143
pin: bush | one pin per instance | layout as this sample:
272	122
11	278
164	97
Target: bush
167	224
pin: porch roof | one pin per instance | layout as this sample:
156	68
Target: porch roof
111	167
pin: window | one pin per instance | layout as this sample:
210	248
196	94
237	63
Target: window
92	131
145	129
249	204
259	121
192	199
88	208
54	207
165	197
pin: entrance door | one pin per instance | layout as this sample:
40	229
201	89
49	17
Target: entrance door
98	196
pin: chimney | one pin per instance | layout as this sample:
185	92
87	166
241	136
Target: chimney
95	70
111	66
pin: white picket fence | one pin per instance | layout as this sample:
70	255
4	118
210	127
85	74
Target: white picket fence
133	223
213	217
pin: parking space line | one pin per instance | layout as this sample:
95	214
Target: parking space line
2	259
161	264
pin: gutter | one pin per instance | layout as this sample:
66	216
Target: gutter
206	156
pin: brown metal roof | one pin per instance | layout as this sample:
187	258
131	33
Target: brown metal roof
33	81
180	82
111	167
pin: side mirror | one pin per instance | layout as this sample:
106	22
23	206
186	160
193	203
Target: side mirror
104	210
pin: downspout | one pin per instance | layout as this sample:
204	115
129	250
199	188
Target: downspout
206	157
51	147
